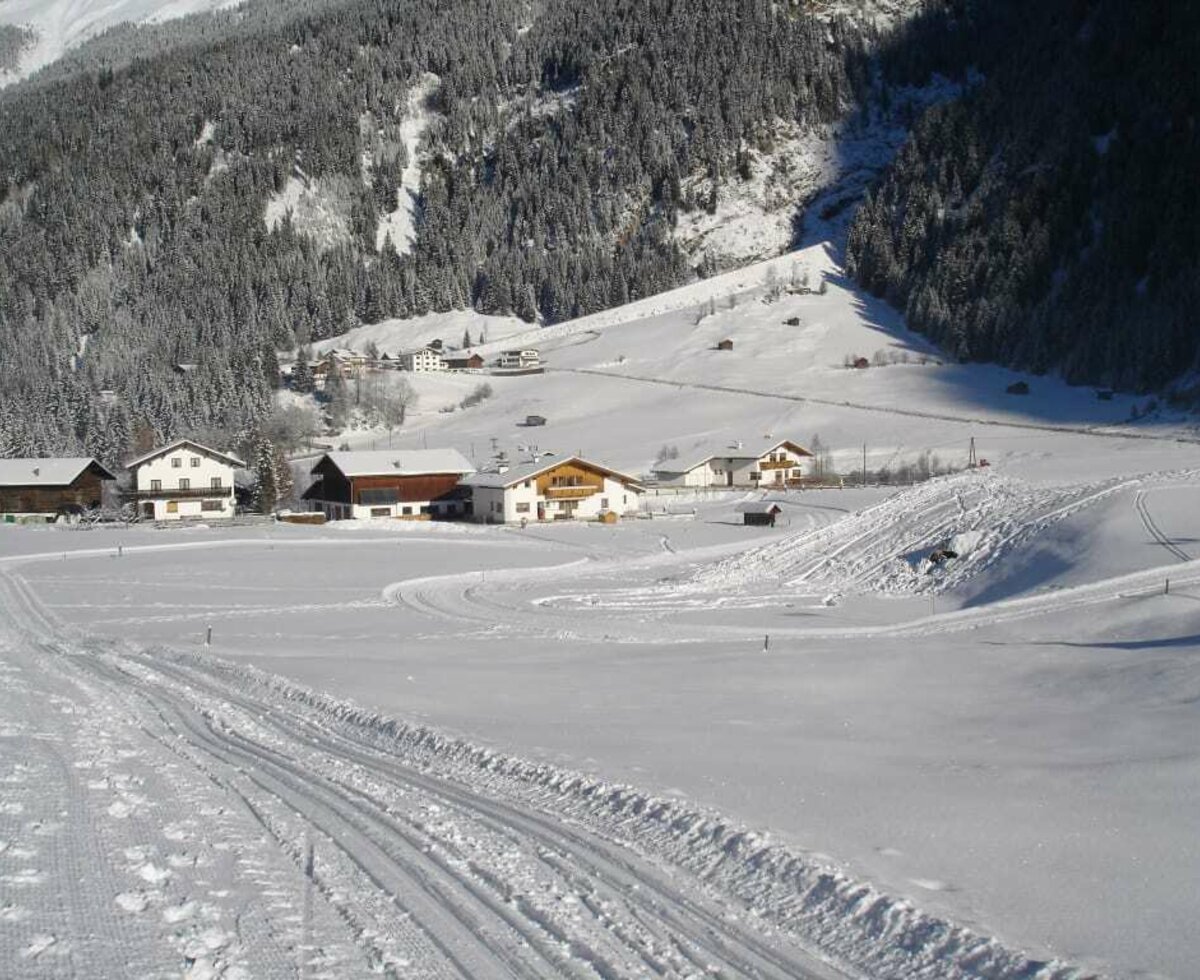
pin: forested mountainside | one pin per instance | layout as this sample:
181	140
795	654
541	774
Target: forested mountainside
132	200
146	181
1049	219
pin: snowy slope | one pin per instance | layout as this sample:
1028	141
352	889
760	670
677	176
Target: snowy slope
64	24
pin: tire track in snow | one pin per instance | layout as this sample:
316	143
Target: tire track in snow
645	918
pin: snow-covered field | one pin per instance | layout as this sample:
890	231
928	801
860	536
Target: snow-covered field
673	746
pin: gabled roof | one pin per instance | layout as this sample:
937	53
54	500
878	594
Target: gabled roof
527	471
398	462
61	471
172	446
761	507
746	450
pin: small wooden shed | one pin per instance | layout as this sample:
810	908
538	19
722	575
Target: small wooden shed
725	344
761	513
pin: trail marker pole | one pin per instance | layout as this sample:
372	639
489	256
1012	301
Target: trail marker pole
306	938
208	637
766	643
864	483
1167	587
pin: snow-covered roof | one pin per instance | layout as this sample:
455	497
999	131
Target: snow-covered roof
729	449
761	507
32	471
526	471
171	447
398	462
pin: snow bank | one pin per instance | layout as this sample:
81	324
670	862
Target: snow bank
852	924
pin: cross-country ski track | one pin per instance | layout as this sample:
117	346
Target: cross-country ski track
434	858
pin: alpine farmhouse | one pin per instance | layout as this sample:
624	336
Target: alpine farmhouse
565	489
415	484
773	464
46	488
184	480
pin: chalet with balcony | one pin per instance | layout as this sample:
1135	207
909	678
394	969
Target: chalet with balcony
552	490
737	464
423	360
184	481
519	359
46	488
342	361
413	484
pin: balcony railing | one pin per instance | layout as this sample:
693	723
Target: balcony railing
777	464
569	493
168	493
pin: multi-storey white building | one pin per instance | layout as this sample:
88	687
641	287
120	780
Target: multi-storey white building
529	358
184	480
425	359
551	490
773	464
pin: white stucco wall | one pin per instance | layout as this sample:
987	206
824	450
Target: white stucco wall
495	506
199	470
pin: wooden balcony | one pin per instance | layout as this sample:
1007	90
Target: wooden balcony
785	464
192	493
570	493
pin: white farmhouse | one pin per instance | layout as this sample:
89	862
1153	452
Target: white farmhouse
425	359
552	490
183	480
773	464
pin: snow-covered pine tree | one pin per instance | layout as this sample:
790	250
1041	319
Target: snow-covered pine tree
266	476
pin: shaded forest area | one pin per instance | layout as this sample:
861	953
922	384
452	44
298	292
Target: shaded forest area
1048	220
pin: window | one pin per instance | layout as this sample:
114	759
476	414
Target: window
604	503
195	461
155	486
375	497
527	484
381	511
523	508
215	483
407	511
184	483
176	462
211	505
755	475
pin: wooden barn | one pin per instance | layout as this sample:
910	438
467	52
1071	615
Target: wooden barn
761	513
463	361
34	487
416	484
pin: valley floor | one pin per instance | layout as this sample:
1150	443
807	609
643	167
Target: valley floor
998	754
